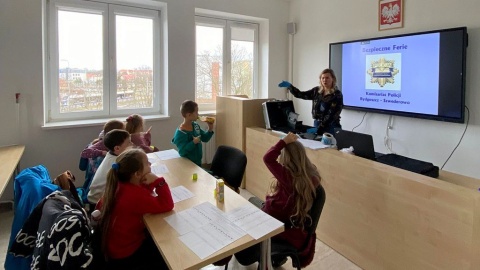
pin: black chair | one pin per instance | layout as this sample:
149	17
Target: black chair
280	250
229	163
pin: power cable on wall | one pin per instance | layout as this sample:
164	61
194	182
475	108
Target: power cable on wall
360	122
461	138
386	140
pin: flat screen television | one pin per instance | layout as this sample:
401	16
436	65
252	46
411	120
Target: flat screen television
417	75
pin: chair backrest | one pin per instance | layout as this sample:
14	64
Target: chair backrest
229	163
30	187
90	166
315	212
53	250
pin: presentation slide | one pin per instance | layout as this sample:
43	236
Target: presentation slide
399	74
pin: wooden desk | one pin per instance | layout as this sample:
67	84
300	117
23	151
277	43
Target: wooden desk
9	159
381	217
175	253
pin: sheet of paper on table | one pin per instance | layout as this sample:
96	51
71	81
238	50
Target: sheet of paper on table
253	220
159	169
181	193
167	154
204	229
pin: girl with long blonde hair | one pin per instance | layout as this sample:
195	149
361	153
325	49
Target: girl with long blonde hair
290	199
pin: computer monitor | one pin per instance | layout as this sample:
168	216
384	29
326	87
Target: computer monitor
276	114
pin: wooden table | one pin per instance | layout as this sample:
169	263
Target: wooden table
176	254
9	159
381	217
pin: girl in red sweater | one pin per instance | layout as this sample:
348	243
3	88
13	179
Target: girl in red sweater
132	191
290	199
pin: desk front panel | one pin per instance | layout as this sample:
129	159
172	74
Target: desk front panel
381	217
177	255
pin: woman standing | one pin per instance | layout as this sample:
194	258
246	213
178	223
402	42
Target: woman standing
327	101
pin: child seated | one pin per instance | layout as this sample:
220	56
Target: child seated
132	191
116	141
140	138
290	199
188	135
97	148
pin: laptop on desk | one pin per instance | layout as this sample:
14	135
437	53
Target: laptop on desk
362	143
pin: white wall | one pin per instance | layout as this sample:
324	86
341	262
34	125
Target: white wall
59	149
322	22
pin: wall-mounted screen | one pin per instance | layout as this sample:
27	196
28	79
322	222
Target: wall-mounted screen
418	75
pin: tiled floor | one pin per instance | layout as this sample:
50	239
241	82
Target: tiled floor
325	257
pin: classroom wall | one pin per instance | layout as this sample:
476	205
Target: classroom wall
322	22
59	149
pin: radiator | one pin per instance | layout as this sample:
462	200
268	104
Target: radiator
209	149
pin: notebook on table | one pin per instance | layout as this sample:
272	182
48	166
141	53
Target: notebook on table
362	143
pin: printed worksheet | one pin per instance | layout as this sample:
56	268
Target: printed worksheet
167	154
211	237
193	218
253	220
181	193
159	169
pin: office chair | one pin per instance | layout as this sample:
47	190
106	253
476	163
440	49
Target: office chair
280	250
229	163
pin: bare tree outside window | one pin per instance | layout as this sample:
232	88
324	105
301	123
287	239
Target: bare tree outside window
214	77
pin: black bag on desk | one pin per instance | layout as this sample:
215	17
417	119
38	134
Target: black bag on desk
409	164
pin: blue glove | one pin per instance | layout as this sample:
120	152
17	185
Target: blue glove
312	130
284	84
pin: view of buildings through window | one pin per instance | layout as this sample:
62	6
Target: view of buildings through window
82	85
224	71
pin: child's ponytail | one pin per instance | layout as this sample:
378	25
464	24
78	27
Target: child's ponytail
107	205
134	122
127	163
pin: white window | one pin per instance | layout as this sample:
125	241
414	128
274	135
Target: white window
226	60
103	60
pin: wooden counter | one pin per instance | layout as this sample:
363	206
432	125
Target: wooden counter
381	217
234	115
9	158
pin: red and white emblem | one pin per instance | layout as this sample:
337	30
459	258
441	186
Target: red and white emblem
390	14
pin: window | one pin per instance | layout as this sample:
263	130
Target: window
103	60
226	60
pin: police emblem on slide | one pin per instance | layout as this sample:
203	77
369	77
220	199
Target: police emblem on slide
382	72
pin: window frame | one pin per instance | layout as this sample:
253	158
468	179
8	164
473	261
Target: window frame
108	11
226	24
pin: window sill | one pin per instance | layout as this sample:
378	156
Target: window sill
94	122
207	113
